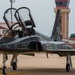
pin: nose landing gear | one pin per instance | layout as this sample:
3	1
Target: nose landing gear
14	66
14	62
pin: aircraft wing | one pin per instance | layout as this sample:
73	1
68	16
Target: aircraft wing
16	51
61	52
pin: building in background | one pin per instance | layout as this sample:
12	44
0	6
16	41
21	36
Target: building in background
63	5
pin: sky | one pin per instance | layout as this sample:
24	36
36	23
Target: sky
42	12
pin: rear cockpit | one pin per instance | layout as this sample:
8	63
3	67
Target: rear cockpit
24	18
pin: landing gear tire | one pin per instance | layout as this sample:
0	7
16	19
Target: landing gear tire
14	66
67	67
4	70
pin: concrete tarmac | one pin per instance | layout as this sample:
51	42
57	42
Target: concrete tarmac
39	65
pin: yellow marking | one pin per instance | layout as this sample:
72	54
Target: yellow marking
17	72
14	73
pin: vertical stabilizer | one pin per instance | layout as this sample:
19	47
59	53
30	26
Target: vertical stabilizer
57	30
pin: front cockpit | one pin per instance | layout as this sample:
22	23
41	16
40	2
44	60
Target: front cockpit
9	34
20	26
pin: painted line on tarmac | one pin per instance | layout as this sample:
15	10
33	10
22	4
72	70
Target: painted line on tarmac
17	72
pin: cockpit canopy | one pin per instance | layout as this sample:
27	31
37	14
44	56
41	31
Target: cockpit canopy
20	20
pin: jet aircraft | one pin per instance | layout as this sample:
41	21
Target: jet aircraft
22	38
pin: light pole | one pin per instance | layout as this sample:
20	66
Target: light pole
11	1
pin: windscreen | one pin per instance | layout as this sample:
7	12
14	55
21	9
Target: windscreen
9	17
